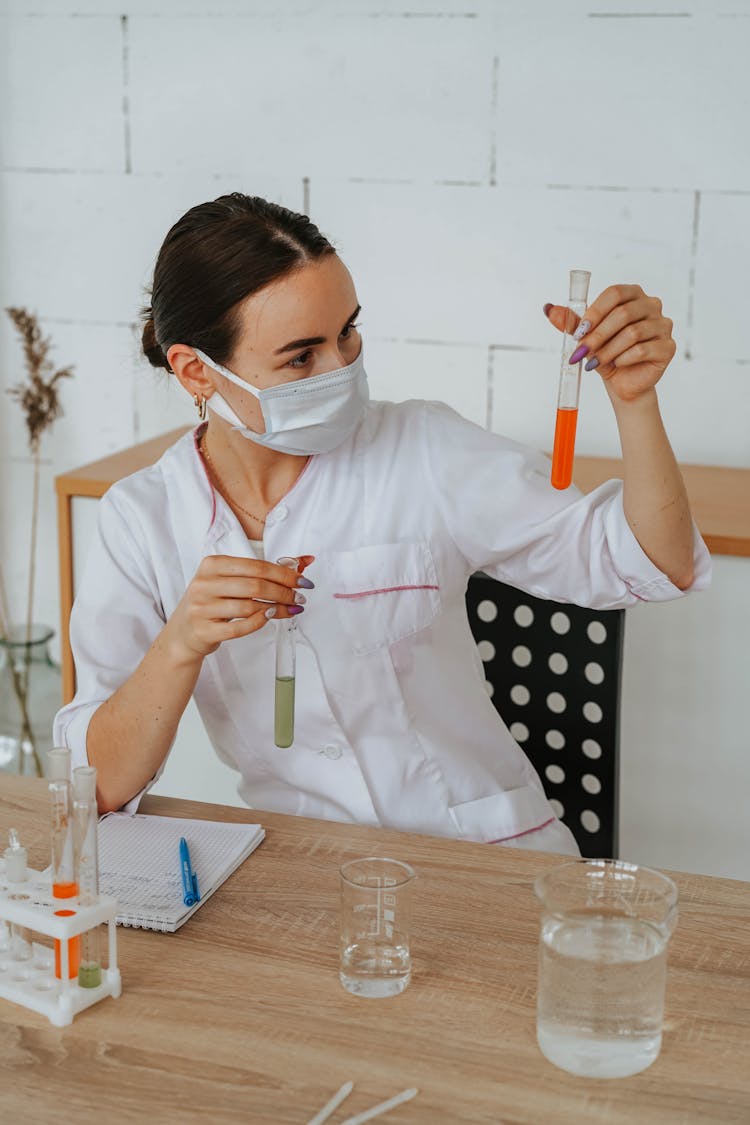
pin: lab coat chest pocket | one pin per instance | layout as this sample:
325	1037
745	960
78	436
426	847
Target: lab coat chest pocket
384	593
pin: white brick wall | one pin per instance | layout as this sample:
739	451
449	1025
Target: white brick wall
462	154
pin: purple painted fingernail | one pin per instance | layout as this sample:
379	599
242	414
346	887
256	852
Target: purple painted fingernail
582	329
578	354
294	609
592	363
546	308
305	583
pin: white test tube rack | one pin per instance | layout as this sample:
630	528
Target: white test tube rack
33	983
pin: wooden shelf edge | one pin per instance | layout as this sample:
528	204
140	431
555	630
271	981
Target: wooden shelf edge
719	496
95	478
727	545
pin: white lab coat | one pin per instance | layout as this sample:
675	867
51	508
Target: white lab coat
394	726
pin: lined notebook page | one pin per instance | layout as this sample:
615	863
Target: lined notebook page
139	864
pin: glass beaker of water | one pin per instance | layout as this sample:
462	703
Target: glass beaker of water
375	919
602	965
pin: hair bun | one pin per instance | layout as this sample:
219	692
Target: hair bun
151	349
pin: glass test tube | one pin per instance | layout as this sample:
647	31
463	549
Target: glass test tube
569	386
85	820
63	861
286	671
15	872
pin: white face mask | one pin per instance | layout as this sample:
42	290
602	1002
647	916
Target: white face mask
311	415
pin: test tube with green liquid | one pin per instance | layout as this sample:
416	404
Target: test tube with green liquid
283	724
286	668
85	824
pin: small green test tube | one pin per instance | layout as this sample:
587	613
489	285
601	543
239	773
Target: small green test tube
286	670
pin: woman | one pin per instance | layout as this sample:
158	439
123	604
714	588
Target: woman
391	506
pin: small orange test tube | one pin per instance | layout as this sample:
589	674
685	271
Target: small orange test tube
569	387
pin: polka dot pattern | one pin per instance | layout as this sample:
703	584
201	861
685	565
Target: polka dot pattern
553	674
520	695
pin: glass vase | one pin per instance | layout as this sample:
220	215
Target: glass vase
30	696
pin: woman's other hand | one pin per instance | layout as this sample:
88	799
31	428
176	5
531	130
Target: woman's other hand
624	336
231	597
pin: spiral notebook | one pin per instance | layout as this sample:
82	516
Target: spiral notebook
139	864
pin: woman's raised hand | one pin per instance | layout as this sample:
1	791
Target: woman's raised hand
624	336
232	597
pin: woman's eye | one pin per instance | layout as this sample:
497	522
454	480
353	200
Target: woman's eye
304	358
301	360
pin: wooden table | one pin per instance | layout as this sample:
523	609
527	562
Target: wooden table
239	1017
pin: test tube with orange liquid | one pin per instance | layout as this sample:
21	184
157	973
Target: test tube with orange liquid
570	385
64	885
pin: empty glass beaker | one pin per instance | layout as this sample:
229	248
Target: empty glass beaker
375	920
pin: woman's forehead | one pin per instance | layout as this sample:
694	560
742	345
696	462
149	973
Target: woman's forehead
314	300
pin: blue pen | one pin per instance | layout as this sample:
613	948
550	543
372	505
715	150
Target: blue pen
189	878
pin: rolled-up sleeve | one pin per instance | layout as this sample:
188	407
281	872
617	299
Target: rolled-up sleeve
507	520
116	616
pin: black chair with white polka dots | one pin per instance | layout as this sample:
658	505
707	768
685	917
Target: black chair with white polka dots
553	671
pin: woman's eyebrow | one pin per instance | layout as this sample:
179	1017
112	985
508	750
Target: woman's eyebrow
312	340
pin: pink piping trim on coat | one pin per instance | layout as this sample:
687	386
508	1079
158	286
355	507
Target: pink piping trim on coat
526	833
385	590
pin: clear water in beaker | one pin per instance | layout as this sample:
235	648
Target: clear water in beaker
602	966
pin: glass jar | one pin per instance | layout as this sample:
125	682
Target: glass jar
606	925
27	667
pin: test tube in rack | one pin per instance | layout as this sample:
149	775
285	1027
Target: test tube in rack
33	983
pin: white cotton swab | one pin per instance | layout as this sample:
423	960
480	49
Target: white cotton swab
382	1107
333	1104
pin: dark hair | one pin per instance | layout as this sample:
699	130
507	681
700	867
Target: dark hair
217	254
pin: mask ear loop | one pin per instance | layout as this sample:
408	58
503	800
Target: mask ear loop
230	375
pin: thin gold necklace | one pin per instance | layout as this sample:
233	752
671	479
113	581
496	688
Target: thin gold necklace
207	458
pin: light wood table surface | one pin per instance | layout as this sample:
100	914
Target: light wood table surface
239	1017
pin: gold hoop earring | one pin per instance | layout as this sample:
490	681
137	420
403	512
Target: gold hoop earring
200	405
